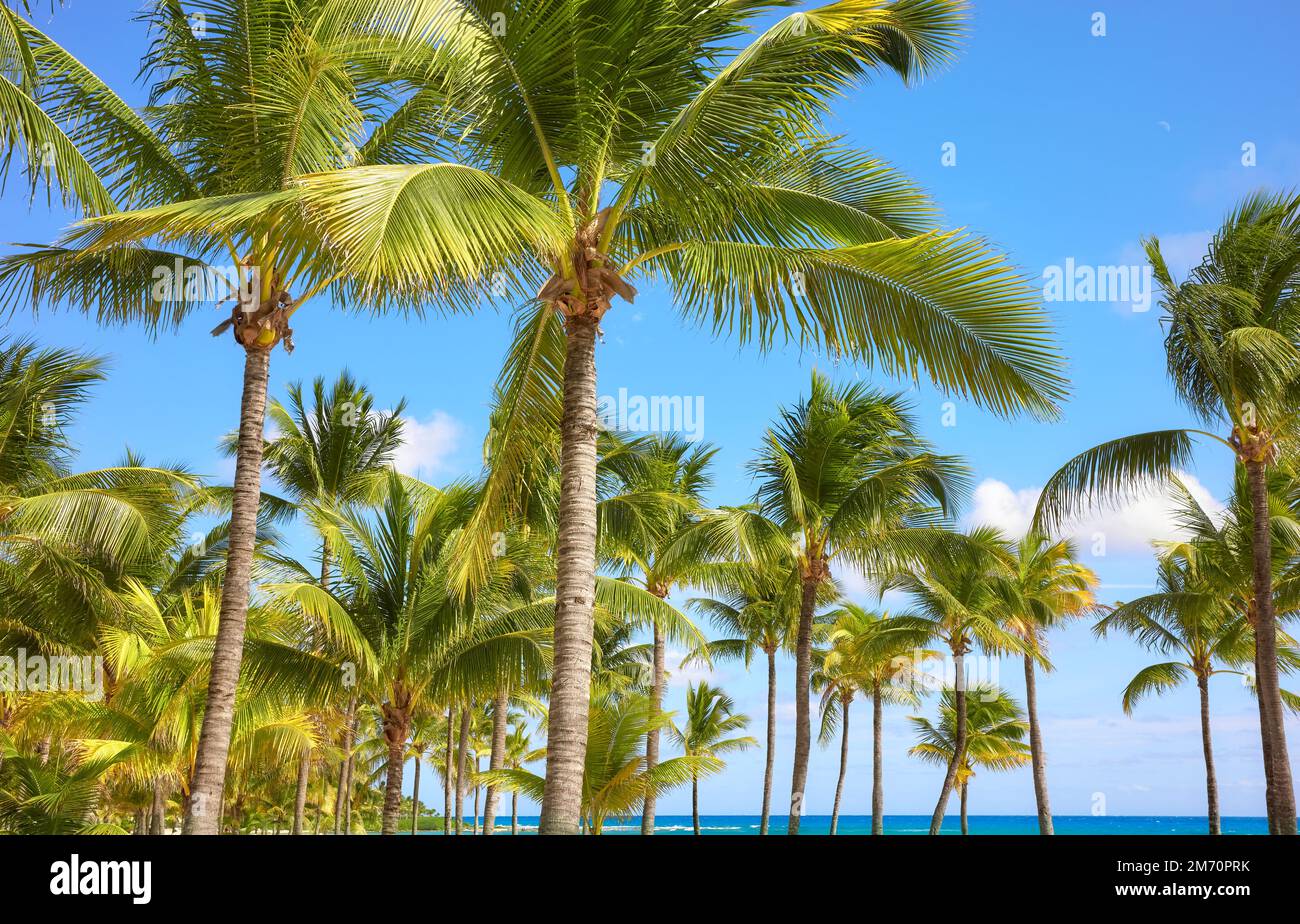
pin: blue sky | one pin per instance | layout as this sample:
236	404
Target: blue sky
1068	145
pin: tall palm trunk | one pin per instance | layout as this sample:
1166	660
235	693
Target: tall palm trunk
208	785
877	762
771	741
415	798
449	775
478	768
1037	757
397	726
139	829
652	737
844	763
320	801
158	813
566	746
514	813
300	798
500	712
1211	782
959	745
1280	794
341	800
462	767
965	820
802	720
695	803
349	770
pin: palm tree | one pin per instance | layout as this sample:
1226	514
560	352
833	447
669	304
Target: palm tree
710	169
995	736
616	776
873	654
846	476
68	538
519	751
1200	611
414	640
961	597
1232	356
1050	586
757	606
709	732
273	93
674	473
328	456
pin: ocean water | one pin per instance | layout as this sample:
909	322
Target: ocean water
920	824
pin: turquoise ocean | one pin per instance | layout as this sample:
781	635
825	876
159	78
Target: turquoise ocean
920	824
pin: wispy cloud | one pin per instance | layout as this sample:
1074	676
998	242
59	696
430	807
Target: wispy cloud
1131	528
428	445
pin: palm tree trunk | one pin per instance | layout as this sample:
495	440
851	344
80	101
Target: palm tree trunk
566	746
448	776
877	762
959	746
771	741
462	767
802	683
300	799
514	813
139	827
478	768
158	811
340	798
396	735
500	712
695	803
844	763
1280	794
208	786
415	798
1211	783
320	800
652	737
1037	757
965	822
350	770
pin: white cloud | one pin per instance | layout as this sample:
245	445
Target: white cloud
1131	528
679	676
428	445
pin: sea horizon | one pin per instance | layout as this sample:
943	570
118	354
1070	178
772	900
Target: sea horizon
920	824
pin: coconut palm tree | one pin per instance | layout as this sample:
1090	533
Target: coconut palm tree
757	607
847	478
673	472
1050	586
68	538
709	732
270	93
419	641
871	654
710	168
960	599
995	736
1200	610
519	751
1233	358
616	777
328	456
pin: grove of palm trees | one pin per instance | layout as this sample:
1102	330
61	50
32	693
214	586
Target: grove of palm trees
318	612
